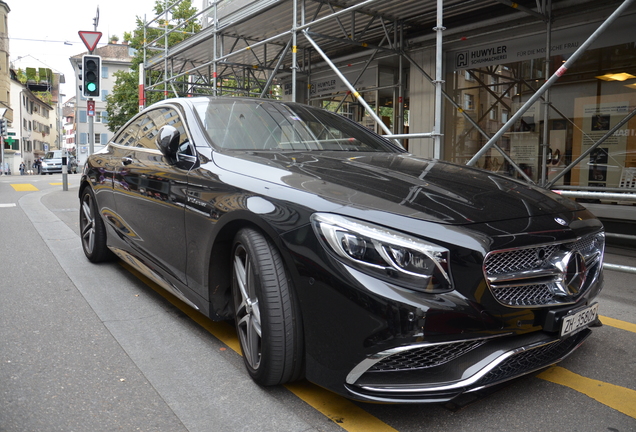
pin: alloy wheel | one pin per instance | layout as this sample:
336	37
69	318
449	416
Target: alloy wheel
248	314
87	223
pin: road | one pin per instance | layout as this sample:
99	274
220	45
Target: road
88	347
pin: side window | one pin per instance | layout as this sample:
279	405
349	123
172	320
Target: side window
143	131
128	136
150	126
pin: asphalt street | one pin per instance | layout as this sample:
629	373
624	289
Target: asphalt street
88	347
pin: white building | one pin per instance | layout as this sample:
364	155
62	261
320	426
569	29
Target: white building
115	57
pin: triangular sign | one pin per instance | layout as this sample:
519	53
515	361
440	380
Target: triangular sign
90	38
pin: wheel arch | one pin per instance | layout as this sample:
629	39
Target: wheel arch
220	264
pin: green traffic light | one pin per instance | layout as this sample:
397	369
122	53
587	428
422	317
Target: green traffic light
91	87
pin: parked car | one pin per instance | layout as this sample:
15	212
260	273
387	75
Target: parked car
376	274
52	163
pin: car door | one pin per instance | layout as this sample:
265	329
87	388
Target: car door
149	196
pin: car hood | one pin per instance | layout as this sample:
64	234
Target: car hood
400	183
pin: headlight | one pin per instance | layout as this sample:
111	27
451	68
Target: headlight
385	253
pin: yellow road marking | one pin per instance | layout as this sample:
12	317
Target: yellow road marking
338	409
619	398
623	325
24	187
56	184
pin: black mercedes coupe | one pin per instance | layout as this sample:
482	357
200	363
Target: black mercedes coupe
341	257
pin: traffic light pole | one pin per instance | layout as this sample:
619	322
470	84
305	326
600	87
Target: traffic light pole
2	161
91	135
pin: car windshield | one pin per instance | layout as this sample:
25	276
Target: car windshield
53	155
263	126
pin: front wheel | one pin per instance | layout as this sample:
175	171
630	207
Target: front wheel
92	229
267	318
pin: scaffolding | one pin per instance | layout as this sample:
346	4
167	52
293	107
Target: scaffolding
283	48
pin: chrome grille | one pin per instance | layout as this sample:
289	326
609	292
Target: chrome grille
584	245
425	357
529	295
534	276
518	259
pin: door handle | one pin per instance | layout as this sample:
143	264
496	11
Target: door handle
126	160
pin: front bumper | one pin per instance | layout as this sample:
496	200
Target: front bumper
483	363
51	169
438	346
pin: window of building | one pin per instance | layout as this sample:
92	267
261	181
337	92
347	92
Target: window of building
494	113
469	101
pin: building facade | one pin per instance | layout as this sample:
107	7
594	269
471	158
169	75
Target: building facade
115	57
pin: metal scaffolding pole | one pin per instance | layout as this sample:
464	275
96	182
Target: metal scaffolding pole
547	7
294	48
353	91
439	82
273	74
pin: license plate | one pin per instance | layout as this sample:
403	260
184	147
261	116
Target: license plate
578	320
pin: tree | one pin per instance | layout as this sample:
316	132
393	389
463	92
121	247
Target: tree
123	103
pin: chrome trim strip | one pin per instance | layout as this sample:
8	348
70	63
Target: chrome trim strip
433	398
368	363
462	384
534	370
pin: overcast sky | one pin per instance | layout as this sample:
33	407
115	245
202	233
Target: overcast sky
43	33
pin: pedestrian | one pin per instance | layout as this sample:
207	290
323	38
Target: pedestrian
22	168
39	165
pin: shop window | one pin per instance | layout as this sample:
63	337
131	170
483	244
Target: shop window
596	93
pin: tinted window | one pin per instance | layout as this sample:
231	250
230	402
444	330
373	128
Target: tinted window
247	125
143	131
129	134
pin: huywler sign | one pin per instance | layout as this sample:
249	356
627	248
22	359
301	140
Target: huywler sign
564	41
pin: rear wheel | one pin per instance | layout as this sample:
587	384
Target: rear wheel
267	319
92	229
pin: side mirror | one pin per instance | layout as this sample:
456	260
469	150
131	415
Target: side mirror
168	142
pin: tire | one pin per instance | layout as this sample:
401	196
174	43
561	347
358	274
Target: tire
267	318
92	229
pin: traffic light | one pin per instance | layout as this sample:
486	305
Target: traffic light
91	69
3	127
